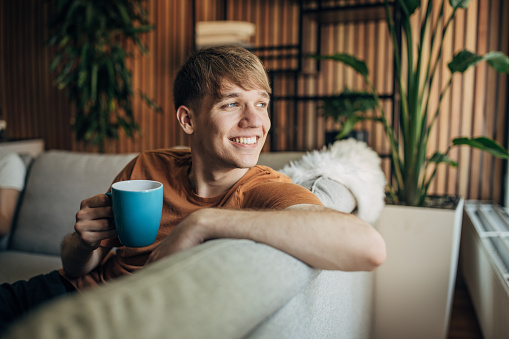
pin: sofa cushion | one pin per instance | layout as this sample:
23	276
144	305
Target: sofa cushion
57	183
23	266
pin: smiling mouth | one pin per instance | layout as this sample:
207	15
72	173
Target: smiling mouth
245	141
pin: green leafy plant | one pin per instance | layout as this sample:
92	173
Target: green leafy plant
412	173
90	61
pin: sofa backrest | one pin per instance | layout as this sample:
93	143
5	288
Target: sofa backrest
277	160
57	183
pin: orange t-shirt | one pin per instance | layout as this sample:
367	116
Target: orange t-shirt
260	188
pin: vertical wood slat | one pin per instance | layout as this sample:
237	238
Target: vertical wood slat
456	102
502	129
476	103
479	97
490	116
470	30
443	129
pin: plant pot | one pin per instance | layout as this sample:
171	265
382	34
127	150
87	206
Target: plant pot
414	288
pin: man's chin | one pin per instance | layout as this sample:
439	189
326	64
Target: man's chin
247	162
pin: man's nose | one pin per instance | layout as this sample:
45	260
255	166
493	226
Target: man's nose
251	118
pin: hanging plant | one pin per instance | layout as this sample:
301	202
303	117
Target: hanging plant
89	36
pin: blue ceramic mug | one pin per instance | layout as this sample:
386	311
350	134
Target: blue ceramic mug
137	209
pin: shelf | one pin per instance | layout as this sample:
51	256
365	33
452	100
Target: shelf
347	13
33	147
321	97
273	48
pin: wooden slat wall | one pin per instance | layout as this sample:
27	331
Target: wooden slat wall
476	103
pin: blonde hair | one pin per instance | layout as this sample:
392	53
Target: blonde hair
204	71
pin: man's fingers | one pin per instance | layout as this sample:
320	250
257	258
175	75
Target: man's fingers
93	238
99	200
91	225
94	213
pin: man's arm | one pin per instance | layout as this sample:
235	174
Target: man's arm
321	237
8	201
81	250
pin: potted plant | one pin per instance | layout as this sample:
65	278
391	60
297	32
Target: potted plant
414	287
89	37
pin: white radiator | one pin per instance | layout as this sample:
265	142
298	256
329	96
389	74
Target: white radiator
485	264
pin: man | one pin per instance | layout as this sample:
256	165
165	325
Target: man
215	191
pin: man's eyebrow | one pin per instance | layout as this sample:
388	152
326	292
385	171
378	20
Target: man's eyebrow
264	94
229	95
237	94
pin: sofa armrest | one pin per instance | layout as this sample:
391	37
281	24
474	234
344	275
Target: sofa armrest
220	289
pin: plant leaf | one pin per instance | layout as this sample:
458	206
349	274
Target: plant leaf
358	65
439	158
498	60
409	6
459	3
463	60
151	103
56	61
466	59
347	103
82	77
350	123
484	144
93	81
348	126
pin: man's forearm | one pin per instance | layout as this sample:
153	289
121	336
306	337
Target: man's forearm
8	201
78	259
320	237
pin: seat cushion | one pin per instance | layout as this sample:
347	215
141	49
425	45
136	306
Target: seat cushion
17	265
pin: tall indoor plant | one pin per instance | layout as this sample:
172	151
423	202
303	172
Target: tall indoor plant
413	289
408	153
90	39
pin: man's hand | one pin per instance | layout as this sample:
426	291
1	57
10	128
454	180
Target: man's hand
94	221
81	251
187	234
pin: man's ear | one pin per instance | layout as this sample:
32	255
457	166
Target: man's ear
185	117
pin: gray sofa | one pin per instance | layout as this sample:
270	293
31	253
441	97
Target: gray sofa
222	289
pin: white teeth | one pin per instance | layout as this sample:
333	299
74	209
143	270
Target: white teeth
248	141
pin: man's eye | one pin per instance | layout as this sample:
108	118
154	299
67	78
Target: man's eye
231	105
262	104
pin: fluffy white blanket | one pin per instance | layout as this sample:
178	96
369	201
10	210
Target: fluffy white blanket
351	163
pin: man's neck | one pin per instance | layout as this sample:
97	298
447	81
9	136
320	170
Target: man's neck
208	184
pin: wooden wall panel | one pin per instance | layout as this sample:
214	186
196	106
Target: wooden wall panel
476	104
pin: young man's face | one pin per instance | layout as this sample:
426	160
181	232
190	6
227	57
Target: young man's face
230	131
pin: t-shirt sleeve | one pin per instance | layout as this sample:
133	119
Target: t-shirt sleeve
12	171
278	195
